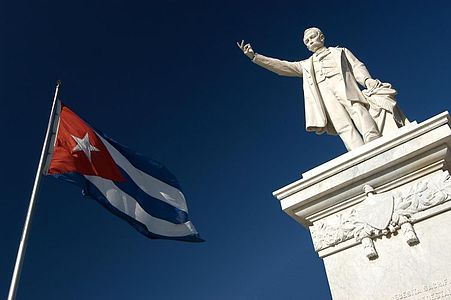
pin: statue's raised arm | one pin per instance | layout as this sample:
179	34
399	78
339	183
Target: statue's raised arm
334	102
281	67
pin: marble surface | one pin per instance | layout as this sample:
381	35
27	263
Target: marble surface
388	162
380	215
422	271
333	101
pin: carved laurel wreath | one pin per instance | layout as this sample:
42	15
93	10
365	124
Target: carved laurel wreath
421	196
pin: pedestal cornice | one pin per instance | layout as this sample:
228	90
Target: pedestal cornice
415	151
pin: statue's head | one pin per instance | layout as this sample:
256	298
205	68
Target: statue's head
313	38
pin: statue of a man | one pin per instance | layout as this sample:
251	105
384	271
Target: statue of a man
334	102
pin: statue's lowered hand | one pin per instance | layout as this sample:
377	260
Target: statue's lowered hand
371	83
247	49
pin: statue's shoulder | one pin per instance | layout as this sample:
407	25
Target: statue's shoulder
337	48
305	62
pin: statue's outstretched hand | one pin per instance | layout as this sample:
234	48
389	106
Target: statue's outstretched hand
247	49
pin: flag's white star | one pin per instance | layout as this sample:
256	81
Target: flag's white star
84	145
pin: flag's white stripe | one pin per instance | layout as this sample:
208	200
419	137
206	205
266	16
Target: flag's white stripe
152	186
128	205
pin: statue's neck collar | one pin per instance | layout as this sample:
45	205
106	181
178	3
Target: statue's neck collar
320	50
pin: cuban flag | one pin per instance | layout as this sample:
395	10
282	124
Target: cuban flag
141	191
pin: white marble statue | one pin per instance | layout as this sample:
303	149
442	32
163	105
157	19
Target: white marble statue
334	102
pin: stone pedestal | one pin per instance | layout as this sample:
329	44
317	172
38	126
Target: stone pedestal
380	215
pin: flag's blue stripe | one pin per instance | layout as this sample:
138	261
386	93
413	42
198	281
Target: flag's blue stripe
151	205
89	190
139	161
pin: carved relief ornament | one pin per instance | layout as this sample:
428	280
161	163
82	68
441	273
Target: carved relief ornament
380	214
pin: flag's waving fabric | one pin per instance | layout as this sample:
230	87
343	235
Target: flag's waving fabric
141	191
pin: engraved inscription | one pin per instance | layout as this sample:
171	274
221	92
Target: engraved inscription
440	289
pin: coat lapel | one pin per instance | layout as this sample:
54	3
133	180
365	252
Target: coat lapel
308	65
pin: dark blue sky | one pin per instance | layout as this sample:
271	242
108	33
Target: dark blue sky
167	80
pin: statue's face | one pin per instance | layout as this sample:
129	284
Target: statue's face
313	40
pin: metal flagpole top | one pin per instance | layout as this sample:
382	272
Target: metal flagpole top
34	192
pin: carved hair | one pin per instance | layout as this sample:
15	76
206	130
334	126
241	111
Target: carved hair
317	30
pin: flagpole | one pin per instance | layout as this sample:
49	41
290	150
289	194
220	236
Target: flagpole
31	206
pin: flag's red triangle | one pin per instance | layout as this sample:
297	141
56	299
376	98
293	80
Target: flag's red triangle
79	149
